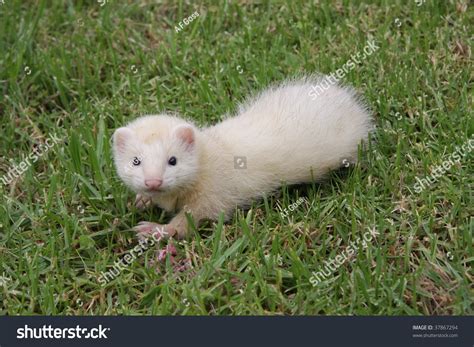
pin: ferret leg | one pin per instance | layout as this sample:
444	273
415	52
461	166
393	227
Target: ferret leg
177	227
157	231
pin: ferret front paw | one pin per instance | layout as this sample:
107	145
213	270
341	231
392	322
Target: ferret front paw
142	201
157	231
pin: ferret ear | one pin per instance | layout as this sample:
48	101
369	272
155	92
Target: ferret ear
185	133
121	138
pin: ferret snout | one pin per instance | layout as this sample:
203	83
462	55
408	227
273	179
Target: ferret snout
153	184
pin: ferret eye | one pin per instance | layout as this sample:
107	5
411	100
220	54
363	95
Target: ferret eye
172	161
136	161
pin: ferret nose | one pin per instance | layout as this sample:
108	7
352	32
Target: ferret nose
153	184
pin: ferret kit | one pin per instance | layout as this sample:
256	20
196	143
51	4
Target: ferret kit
284	135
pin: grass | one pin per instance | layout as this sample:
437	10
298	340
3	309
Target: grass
80	70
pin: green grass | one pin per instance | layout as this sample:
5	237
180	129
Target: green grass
67	218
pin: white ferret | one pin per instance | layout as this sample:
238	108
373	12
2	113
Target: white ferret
284	135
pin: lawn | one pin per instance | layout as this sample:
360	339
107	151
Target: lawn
73	71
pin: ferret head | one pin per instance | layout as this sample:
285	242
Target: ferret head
156	154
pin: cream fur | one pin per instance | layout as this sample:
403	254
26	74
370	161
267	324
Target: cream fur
285	135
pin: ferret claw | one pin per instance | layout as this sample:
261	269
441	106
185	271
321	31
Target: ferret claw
142	201
178	264
147	229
